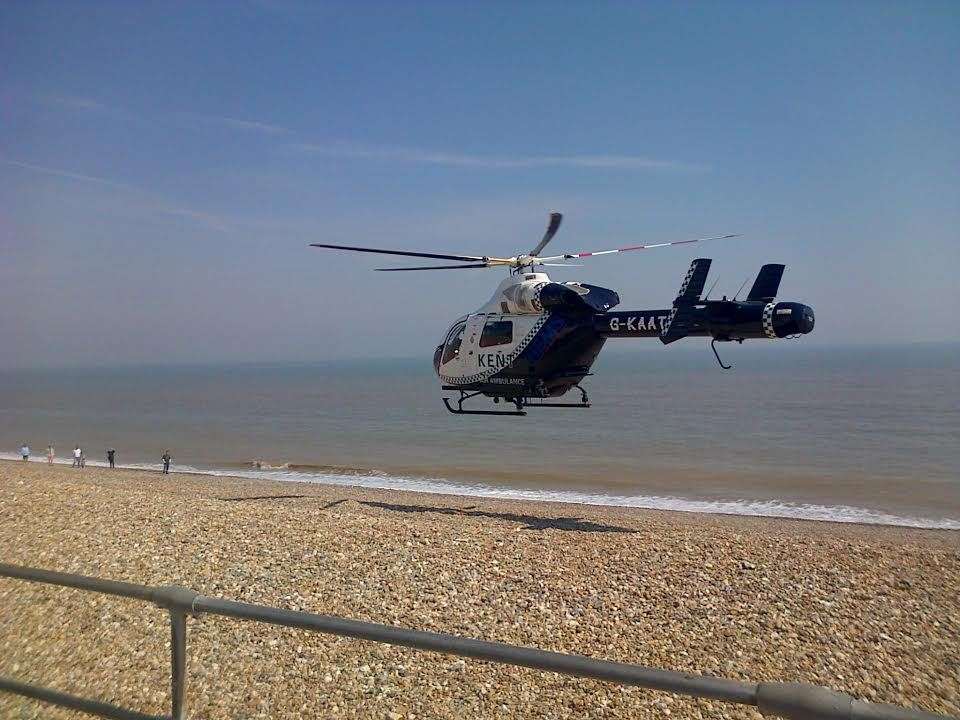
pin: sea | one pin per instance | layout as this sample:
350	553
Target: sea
842	434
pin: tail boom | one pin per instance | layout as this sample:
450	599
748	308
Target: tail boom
759	316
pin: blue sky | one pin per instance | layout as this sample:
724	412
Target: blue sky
163	166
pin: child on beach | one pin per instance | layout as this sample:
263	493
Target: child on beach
50	454
166	462
77	455
25	452
111	454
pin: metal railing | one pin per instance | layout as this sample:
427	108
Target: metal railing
795	701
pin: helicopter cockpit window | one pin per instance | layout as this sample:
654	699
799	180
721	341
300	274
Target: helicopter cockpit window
452	347
497	332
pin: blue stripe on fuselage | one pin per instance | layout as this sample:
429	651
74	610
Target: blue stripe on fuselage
544	337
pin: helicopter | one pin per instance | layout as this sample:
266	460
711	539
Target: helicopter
536	339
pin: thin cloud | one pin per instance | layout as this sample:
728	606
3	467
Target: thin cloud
254	125
90	105
213	221
283	6
155	202
251	125
433	157
352	151
239	124
66	174
75	103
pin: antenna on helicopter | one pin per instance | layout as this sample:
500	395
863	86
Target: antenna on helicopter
707	296
740	288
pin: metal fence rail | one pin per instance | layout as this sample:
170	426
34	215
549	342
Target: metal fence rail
794	701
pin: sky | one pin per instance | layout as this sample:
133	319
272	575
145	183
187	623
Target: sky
164	166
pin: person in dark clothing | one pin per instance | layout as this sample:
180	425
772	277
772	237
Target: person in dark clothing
166	462
111	453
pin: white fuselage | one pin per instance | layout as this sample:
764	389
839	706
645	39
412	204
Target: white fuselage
483	343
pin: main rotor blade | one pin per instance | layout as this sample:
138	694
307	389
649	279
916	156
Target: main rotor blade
572	256
435	256
552	227
433	267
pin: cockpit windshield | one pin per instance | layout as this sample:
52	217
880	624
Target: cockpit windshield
451	347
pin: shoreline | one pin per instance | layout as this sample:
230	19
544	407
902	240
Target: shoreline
840	513
868	610
207	483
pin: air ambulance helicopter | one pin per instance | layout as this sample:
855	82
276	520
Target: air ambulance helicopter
537	339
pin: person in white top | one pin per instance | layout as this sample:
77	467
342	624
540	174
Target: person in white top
25	452
50	454
77	454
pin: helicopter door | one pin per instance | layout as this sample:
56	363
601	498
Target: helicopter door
471	342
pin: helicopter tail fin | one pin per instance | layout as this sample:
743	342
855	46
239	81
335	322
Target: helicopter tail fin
693	283
767	283
680	322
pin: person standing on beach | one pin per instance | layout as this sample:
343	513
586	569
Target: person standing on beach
77	453
83	458
111	453
50	454
166	462
25	452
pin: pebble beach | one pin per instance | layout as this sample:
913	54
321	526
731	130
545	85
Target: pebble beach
868	610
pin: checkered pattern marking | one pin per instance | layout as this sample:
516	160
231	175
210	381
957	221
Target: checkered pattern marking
767	321
686	280
673	314
514	354
536	298
683	291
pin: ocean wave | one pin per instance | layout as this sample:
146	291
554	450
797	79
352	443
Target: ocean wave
304	467
440	486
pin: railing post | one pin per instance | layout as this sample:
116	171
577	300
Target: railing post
178	661
179	602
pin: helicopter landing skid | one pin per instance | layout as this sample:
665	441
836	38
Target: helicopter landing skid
466	396
527	404
520	402
584	403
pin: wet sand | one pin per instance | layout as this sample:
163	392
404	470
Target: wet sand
872	611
